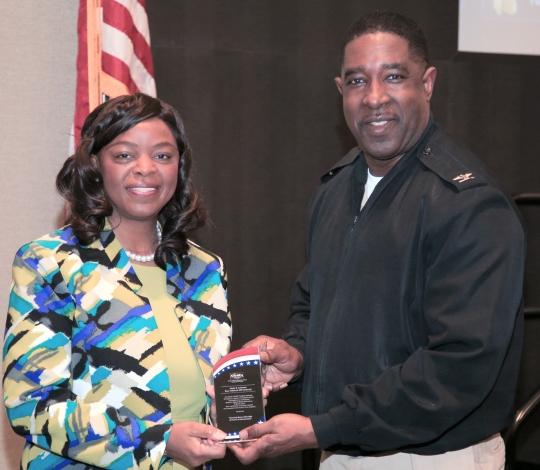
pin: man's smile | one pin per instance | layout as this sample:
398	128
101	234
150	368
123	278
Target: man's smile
377	125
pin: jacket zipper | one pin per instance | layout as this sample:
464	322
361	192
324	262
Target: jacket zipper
331	310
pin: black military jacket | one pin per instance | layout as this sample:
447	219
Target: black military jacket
409	311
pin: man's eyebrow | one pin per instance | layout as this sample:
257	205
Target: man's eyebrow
395	66
353	71
392	66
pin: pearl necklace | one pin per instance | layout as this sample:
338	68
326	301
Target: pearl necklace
144	258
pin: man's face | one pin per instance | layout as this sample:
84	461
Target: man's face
386	95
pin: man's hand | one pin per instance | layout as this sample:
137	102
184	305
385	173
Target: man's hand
283	362
195	443
283	433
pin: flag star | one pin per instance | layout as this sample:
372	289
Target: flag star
248	363
241	363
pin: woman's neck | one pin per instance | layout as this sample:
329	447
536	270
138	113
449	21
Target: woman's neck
139	237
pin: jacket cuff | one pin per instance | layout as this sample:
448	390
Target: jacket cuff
335	427
296	383
297	344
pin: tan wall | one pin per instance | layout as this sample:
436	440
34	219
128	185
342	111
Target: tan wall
38	47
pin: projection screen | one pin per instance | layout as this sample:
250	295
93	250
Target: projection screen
499	26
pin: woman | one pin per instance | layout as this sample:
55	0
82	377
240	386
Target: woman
116	320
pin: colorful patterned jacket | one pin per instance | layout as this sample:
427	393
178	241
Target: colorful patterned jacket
85	376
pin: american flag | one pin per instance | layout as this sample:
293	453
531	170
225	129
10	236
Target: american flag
114	56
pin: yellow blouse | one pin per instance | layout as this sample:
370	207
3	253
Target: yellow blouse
188	396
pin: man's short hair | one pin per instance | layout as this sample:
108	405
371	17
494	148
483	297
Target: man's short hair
386	22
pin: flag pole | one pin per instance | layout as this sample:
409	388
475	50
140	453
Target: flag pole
94	15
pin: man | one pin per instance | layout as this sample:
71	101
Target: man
406	324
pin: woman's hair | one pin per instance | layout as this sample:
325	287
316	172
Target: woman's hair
80	182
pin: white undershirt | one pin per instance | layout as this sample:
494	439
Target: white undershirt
371	182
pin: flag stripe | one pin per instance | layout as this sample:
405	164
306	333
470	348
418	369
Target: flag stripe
117	16
118	69
125	54
140	18
119	45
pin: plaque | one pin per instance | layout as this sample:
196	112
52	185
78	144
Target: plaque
238	387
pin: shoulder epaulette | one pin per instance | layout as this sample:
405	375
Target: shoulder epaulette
448	168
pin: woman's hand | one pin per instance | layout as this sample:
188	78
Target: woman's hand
195	443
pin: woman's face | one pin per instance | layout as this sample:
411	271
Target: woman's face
140	170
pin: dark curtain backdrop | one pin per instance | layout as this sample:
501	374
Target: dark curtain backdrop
253	81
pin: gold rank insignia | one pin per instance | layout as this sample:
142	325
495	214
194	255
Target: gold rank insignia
465	177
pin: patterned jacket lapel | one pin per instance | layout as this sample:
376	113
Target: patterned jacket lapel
117	257
193	281
197	283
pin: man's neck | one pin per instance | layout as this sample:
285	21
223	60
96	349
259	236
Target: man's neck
381	167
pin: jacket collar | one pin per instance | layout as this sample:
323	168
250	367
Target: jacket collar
119	261
356	152
200	329
117	257
346	160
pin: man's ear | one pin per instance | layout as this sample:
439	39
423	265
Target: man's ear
429	81
337	80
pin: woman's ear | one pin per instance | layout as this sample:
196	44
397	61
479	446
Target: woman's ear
95	162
